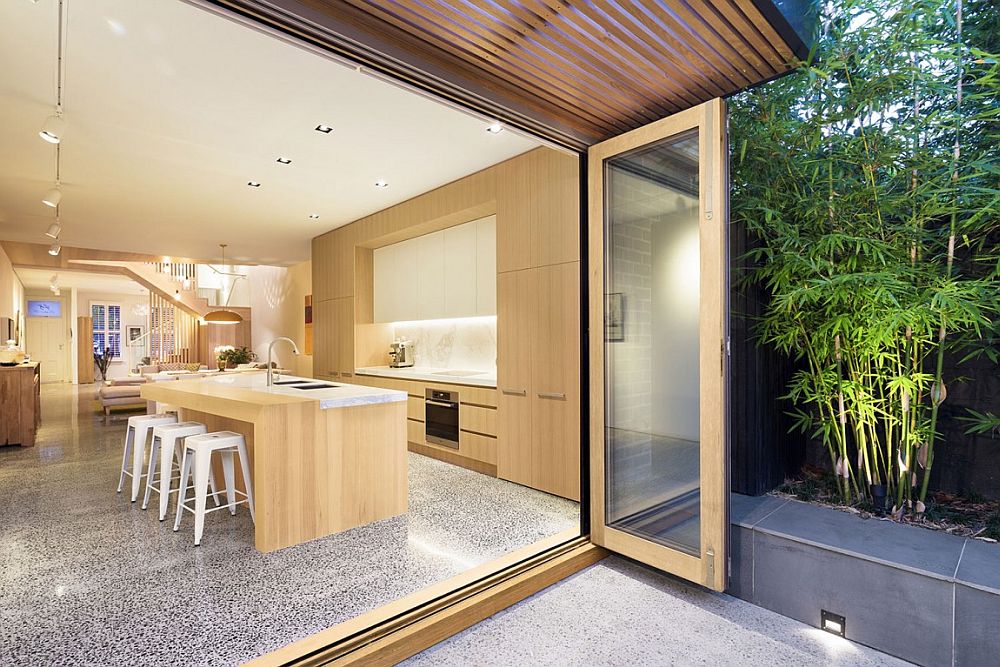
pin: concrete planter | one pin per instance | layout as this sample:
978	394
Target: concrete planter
924	596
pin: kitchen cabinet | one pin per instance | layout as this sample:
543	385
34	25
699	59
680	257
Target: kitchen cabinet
538	365
333	342
538	225
445	274
333	265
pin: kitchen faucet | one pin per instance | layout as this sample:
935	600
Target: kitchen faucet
270	346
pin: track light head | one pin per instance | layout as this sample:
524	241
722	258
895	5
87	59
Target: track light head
54	249
53	129
53	231
52	197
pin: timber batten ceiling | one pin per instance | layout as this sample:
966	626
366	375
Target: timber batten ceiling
589	68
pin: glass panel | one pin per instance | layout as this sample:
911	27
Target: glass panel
99	346
97	312
114	318
651	332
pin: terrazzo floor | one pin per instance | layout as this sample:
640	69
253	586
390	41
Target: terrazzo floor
87	578
620	613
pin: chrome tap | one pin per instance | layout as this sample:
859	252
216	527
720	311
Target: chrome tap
270	346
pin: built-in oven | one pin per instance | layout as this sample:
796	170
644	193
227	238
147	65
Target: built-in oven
441	417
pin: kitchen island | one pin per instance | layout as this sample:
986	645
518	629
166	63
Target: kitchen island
323	458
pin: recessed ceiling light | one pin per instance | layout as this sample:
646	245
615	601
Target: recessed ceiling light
314	216
253	184
381	184
283	160
495	128
325	129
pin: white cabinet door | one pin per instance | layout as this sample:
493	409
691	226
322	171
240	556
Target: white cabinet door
460	272
486	266
406	275
431	284
383	263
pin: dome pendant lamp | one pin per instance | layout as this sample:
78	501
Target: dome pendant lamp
224	316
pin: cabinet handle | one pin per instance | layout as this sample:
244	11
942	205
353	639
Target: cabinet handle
552	395
514	392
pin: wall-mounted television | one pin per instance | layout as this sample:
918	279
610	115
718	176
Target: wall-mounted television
44	308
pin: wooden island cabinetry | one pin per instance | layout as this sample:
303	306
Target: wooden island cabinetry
20	404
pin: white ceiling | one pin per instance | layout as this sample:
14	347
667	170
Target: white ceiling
106	283
172	109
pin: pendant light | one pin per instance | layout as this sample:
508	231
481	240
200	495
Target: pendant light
223	316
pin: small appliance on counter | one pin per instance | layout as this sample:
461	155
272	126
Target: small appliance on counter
401	353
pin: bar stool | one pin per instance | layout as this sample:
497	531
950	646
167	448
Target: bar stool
136	435
166	438
198	450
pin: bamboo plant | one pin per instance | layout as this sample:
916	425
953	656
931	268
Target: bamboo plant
869	179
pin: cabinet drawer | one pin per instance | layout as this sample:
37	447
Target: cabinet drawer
415	432
478	447
415	408
410	387
480	420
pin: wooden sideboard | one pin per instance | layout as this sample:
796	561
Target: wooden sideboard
20	404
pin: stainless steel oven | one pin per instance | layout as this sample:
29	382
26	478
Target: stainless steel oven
441	417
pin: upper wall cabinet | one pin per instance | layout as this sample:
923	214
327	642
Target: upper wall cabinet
450	273
333	264
538	210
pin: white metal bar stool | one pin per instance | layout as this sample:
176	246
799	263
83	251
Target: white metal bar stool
198	450
164	451
136	436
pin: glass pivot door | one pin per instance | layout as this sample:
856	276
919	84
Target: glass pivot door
658	332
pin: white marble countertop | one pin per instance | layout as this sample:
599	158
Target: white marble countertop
446	375
338	395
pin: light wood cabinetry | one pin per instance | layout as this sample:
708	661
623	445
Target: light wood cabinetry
538	332
333	338
538	210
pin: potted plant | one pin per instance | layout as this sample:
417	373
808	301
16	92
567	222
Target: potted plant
103	361
231	357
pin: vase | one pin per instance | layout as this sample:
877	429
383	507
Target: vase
222	365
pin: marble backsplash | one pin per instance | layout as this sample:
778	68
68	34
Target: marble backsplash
460	344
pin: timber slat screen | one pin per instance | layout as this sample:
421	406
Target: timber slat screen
615	66
173	332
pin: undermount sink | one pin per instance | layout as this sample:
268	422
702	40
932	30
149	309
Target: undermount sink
314	385
293	382
460	374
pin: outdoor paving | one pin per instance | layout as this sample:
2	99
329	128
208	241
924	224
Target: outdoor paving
620	613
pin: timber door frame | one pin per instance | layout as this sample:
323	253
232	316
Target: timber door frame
710	569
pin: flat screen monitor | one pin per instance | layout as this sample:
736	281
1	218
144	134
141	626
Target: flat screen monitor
45	309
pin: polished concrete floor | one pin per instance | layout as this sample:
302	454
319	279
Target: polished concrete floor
620	613
87	578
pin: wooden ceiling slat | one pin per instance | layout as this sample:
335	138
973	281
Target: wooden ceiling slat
527	26
666	35
687	92
499	40
766	29
703	41
751	35
698	10
489	62
572	27
518	45
649	55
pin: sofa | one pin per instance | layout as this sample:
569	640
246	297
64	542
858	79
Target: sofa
121	392
177	367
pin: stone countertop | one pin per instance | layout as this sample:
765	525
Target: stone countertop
252	388
445	375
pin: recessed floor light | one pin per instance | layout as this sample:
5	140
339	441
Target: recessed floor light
381	184
314	216
325	129
253	184
284	160
495	128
